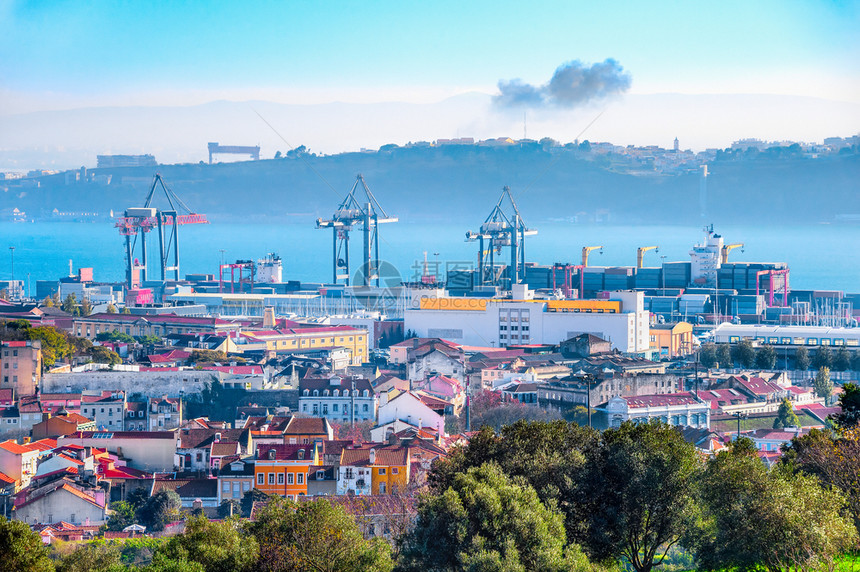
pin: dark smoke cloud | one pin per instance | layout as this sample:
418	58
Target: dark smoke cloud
572	84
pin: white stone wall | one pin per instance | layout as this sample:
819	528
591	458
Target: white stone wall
149	384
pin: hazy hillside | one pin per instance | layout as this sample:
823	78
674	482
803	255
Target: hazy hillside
463	182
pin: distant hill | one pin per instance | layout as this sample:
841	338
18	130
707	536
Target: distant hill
463	182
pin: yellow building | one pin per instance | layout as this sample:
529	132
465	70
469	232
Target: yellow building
387	466
671	340
312	338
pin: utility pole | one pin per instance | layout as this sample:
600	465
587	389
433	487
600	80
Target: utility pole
12	286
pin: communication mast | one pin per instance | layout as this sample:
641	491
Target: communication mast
501	229
359	209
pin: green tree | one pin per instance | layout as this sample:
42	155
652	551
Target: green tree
743	354
22	549
148	340
55	344
855	361
822	384
86	307
823	357
213	356
842	359
159	509
92	557
101	354
161	563
111	309
138	497
217	546
638	493
849	402
126	310
708	355
785	416
833	459
547	455
801	359
315	535
724	356
123	515
754	519
486	521
765	357
248	500
114	336
70	304
48	302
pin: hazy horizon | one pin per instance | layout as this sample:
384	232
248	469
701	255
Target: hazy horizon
767	70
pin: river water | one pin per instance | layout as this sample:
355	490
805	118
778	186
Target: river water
823	257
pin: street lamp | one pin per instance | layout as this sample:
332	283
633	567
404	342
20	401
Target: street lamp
738	415
586	379
663	271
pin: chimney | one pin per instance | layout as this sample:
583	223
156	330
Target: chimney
269	317
372	456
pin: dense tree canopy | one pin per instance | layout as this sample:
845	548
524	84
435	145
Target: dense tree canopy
216	546
21	549
637	491
315	535
487	521
777	519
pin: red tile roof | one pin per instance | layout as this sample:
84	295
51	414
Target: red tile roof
662	400
16	449
286	452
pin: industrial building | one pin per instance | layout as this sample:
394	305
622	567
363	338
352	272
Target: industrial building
621	319
810	336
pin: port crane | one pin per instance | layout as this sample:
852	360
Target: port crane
640	254
501	229
724	253
586	250
138	221
358	209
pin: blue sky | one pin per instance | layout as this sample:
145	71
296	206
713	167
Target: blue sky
359	51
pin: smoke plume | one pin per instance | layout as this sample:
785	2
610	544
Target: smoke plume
573	84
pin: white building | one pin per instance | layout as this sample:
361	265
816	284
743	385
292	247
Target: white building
679	409
338	399
621	319
408	407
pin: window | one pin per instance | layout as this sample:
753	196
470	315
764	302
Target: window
246	486
382	488
225	486
347	474
301	478
271	478
382	471
365	408
395	470
260	478
289	478
334	407
325	408
280	478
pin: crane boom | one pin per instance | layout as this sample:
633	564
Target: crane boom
640	254
728	248
586	250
